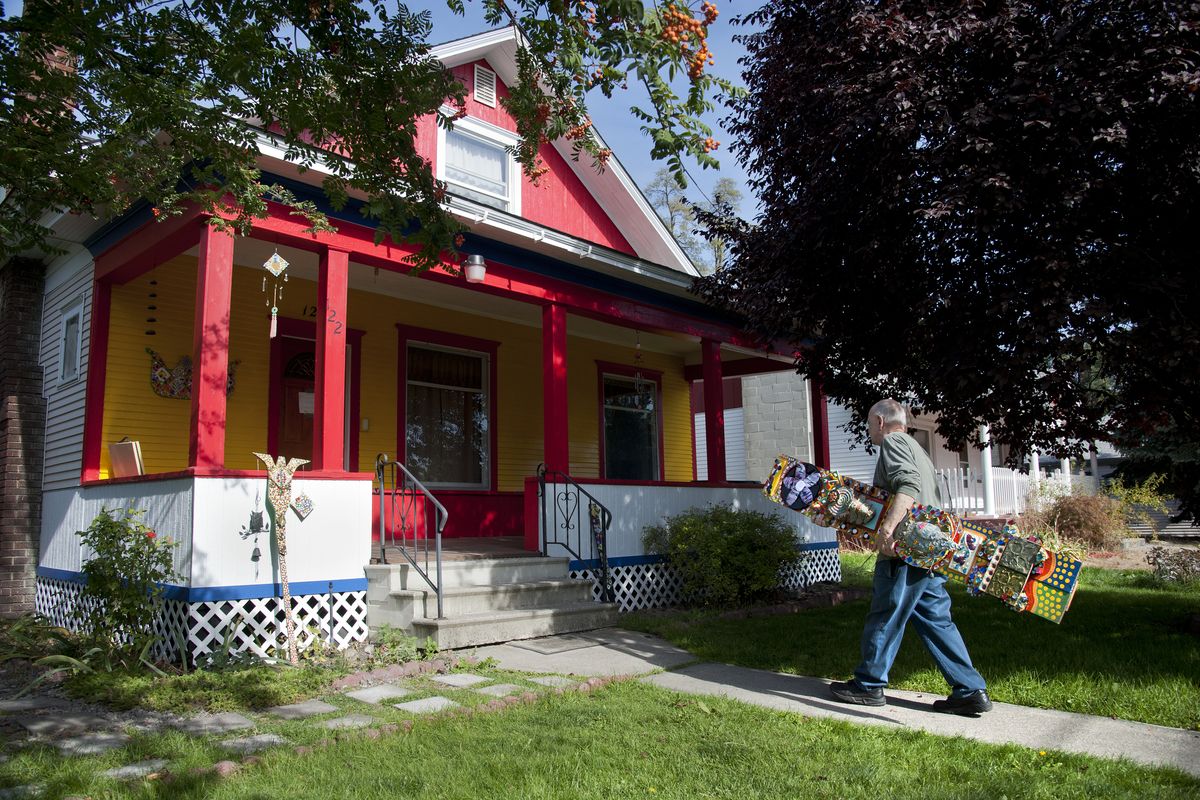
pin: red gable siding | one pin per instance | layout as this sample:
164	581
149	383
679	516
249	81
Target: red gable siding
559	200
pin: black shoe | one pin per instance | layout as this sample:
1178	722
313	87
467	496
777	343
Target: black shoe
969	705
851	692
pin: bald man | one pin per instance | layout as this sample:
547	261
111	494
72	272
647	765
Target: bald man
902	592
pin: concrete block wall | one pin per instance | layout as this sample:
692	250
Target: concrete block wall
22	432
777	420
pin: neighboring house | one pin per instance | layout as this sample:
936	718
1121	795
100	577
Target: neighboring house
575	351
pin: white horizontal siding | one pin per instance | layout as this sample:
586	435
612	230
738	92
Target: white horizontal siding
854	461
735	446
636	507
64	402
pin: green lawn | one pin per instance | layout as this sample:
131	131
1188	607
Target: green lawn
628	740
1122	649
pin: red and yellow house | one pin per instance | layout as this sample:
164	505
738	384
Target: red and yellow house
577	350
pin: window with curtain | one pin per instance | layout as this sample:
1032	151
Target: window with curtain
477	169
447	417
630	429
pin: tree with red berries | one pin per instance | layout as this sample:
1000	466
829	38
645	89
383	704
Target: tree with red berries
986	209
107	102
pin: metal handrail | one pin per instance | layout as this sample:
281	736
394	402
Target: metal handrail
566	516
409	514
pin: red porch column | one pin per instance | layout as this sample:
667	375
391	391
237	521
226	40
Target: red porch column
820	423
210	348
93	410
556	444
329	404
714	409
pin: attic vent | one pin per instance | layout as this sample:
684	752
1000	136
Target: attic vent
485	86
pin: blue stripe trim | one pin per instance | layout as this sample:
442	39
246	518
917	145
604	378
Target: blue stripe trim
200	594
636	561
248	591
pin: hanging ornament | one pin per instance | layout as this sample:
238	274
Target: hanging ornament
277	266
642	387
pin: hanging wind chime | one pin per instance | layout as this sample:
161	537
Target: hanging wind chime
277	266
641	386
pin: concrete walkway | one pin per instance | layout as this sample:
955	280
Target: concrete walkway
616	652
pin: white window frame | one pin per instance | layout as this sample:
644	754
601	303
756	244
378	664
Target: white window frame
73	310
486	377
489	134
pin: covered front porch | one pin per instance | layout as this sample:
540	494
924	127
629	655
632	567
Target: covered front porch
541	368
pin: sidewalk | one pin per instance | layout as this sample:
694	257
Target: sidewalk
613	651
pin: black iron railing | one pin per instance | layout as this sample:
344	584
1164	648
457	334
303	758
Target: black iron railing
410	517
576	521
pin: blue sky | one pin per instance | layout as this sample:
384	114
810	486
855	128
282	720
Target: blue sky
611	116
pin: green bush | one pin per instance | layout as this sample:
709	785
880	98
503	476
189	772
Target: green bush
723	556
124	588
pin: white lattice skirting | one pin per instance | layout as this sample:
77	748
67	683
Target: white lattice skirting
649	582
254	625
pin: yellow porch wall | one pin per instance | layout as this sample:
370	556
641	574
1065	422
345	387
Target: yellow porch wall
162	426
583	391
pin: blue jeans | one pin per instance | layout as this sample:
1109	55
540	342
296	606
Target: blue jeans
901	593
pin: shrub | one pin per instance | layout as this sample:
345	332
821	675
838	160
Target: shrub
1097	522
1181	565
723	556
124	589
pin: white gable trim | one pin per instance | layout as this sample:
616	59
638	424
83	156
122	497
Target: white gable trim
613	189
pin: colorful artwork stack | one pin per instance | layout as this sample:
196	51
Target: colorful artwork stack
1016	569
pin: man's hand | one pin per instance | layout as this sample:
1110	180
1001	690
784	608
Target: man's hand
885	541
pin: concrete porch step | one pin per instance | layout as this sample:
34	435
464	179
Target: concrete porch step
502	626
460	600
473	572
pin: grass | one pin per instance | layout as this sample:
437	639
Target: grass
628	740
251	687
1121	651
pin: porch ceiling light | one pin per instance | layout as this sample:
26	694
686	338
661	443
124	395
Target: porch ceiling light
476	269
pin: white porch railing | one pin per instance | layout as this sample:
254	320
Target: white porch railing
962	489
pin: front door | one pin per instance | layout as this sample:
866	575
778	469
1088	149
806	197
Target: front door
296	414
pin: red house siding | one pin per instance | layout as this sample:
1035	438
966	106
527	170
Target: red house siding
559	200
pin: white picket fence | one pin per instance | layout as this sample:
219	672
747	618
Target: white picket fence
962	489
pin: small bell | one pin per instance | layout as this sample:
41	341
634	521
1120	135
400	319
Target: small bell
256	555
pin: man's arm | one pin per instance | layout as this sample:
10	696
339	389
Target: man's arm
884	540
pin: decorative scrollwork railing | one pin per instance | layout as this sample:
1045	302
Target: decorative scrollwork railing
409	518
576	521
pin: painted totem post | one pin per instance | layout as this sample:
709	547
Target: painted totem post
279	494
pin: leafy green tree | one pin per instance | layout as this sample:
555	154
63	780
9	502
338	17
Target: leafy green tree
986	209
671	204
106	102
726	201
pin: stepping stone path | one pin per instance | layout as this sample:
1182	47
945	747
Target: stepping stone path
24	704
427	705
252	744
500	689
28	790
554	681
62	724
202	724
309	708
460	679
349	722
131	771
91	744
377	694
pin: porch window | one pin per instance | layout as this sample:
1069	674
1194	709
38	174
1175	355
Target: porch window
630	419
477	169
71	343
447	417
